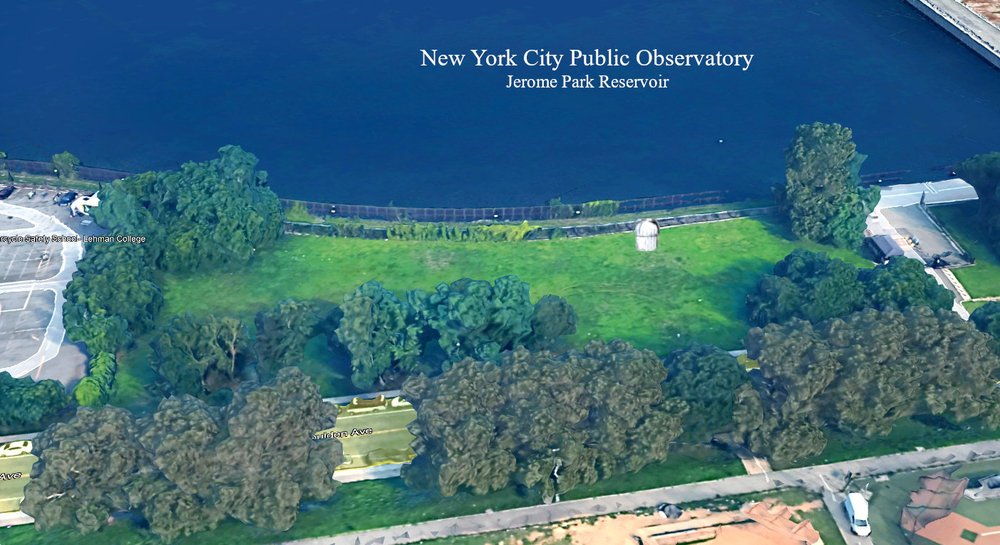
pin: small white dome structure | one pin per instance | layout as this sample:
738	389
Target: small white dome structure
647	232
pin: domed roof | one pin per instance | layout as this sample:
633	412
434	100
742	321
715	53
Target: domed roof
647	228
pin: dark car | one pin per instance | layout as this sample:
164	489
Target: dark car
6	192
66	198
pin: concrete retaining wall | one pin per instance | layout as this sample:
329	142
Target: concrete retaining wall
966	25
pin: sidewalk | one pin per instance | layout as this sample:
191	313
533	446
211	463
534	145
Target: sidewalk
815	478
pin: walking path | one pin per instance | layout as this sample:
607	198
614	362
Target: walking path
828	477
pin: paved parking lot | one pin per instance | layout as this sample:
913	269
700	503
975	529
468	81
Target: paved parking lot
33	274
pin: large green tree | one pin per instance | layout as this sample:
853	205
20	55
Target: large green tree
211	213
541	420
282	334
26	405
863	373
709	380
474	318
983	172
201	356
815	287
821	196
382	333
987	320
189	465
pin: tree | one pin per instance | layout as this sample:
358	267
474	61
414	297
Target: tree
554	317
903	283
708	379
808	285
863	373
81	492
821	195
209	214
200	356
95	389
189	465
983	172
815	287
65	164
474	318
541	420
382	333
25	405
282	334
987	319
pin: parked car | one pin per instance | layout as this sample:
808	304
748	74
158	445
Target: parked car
7	192
857	514
66	198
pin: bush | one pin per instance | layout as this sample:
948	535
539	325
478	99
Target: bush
95	388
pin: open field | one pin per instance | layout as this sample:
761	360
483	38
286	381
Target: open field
983	278
376	504
691	290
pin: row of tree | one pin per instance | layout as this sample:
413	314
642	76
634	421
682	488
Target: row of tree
861	374
815	287
541	420
189	465
388	337
385	338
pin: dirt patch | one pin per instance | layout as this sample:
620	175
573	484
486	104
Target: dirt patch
955	529
989	9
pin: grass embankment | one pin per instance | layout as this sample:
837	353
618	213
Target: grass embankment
378	504
983	278
692	289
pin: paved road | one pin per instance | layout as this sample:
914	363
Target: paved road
817	478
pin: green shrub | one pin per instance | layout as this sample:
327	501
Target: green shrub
95	388
599	208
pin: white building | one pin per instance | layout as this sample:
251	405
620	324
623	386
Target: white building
647	233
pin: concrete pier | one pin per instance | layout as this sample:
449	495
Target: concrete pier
971	28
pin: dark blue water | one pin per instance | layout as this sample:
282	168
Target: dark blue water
331	97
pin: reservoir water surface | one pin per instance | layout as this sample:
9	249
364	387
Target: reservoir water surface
332	98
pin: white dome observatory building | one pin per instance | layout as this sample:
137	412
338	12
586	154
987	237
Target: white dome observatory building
647	233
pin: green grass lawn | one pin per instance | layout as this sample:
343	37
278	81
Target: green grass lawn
378	504
983	278
692	289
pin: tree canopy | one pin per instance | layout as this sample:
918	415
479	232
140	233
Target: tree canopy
815	287
863	373
541	420
205	214
282	334
821	196
389	337
26	405
188	466
201	356
709	380
983	172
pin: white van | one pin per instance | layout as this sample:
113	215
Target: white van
857	514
